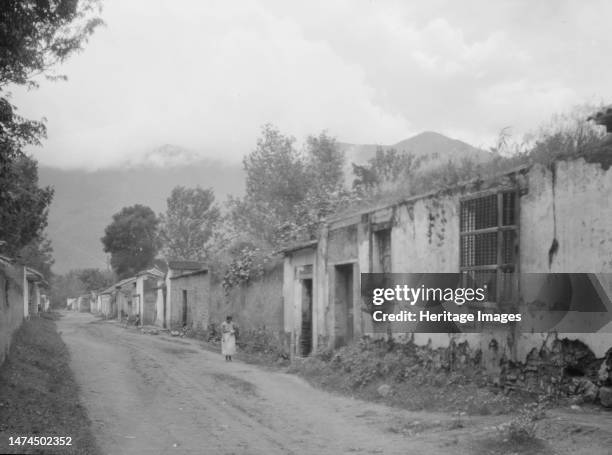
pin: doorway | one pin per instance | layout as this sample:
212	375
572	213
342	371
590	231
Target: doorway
184	307
343	304
164	297
306	331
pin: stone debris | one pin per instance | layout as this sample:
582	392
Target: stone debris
384	390
605	396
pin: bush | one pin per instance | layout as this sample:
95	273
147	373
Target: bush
522	429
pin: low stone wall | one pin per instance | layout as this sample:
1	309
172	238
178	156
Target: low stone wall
11	305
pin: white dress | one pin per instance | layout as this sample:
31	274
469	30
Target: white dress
228	338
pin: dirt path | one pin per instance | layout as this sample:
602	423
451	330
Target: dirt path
147	394
150	394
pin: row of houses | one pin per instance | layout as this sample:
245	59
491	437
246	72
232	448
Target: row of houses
172	295
538	219
21	296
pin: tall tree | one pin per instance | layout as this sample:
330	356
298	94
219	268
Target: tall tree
95	279
324	163
132	239
188	224
23	204
276	181
384	169
39	255
35	36
289	192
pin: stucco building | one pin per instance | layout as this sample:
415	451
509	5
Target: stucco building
533	219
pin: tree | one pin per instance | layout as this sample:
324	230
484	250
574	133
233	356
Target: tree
188	224
384	169
324	163
38	254
23	205
132	239
35	36
77	282
276	181
94	279
288	192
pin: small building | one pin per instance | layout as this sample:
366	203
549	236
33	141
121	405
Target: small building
531	220
83	303
125	293
106	303
183	296
71	303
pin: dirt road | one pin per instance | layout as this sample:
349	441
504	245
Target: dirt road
149	394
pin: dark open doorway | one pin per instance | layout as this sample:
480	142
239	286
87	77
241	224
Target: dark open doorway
184	307
165	299
343	304
306	332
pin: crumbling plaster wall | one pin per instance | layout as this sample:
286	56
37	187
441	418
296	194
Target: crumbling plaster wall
341	243
569	202
425	238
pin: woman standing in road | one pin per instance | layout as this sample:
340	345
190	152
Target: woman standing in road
228	338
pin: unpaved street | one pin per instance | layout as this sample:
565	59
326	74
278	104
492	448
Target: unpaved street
159	395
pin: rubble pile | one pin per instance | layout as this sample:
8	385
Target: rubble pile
568	368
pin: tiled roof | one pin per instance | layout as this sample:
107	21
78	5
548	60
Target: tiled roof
187	274
299	246
186	265
153	271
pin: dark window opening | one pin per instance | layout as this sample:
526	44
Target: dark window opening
489	244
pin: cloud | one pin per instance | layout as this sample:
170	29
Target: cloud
204	76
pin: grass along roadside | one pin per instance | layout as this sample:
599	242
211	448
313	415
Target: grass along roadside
38	393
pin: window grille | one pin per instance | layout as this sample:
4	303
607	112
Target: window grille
489	244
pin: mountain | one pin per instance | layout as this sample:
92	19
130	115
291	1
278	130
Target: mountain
435	146
85	201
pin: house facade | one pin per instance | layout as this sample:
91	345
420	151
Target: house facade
535	219
127	305
183	296
146	294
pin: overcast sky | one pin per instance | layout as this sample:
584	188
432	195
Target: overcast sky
205	75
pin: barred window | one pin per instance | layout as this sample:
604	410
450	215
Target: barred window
489	243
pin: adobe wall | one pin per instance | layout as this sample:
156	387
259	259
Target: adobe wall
11	305
257	305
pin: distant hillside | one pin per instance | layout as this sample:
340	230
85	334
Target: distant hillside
437	147
85	201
